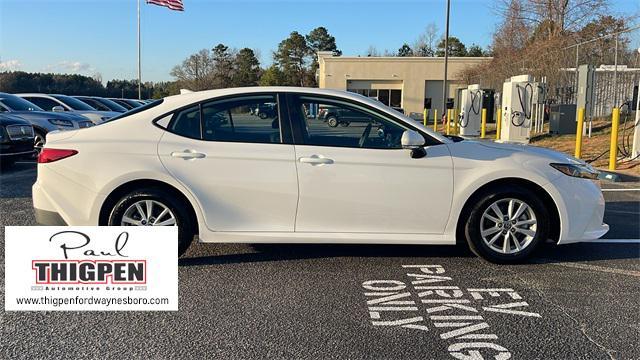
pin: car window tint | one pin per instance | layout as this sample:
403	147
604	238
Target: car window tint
44	103
186	123
252	119
337	123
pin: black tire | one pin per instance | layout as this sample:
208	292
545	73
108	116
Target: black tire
186	224
332	121
263	115
472	227
344	124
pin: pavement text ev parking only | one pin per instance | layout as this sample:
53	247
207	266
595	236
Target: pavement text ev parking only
426	299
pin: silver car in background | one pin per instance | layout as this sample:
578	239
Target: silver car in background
42	121
64	103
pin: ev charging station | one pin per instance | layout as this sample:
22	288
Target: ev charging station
517	106
470	110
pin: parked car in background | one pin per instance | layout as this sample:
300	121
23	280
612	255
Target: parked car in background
127	103
289	178
62	103
335	116
42	121
16	139
102	104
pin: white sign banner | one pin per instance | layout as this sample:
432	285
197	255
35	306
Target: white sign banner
91	268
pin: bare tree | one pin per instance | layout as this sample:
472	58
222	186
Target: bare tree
196	71
426	42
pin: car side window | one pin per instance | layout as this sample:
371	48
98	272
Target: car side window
337	123
186	123
251	119
46	104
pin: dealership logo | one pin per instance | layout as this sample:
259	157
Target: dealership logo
118	269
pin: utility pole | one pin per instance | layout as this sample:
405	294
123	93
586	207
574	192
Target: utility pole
139	66
446	60
635	152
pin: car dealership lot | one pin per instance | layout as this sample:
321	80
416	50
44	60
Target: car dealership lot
320	301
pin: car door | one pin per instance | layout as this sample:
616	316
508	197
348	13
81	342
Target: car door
358	179
240	167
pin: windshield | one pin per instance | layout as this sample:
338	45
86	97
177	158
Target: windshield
111	104
15	103
136	110
73	103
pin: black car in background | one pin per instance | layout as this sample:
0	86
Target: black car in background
102	103
127	103
16	139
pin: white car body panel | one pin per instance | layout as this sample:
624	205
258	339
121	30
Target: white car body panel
375	191
262	193
241	187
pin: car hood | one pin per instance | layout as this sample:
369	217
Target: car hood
49	115
551	155
100	113
12	120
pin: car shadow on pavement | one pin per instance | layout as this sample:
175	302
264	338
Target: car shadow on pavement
284	252
16	181
580	252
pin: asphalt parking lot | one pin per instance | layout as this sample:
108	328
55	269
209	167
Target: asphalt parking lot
333	301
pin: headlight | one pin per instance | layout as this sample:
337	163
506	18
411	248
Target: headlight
585	171
60	122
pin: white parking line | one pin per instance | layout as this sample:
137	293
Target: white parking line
612	190
598	268
617	241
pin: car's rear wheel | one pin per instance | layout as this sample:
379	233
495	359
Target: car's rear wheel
507	225
332	121
154	207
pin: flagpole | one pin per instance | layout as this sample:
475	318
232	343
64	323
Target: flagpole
139	66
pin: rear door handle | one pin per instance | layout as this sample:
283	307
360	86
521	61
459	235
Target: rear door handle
316	160
188	154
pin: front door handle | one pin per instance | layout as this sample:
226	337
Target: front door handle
316	160
188	154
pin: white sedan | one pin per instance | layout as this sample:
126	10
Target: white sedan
206	163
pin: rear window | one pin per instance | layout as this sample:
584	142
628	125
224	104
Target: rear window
136	110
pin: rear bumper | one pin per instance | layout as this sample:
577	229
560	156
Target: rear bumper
49	218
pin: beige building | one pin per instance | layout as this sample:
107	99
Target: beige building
402	82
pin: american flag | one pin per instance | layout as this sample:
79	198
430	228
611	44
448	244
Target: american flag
171	4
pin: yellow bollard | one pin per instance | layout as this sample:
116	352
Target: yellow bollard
483	124
613	149
456	123
579	125
424	117
498	123
435	120
448	122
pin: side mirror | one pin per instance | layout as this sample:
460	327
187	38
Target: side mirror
57	108
411	140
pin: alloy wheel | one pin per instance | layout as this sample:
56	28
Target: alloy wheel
508	226
148	213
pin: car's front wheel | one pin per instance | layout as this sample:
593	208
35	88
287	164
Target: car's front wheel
332	121
154	207
507	225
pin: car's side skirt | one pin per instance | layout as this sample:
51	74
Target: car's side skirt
326	238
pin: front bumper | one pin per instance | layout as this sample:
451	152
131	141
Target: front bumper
580	206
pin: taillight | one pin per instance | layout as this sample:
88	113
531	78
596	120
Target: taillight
51	155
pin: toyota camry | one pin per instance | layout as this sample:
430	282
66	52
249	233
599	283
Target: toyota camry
207	163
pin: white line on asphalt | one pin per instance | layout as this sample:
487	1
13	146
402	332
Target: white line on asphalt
617	241
605	190
598	268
